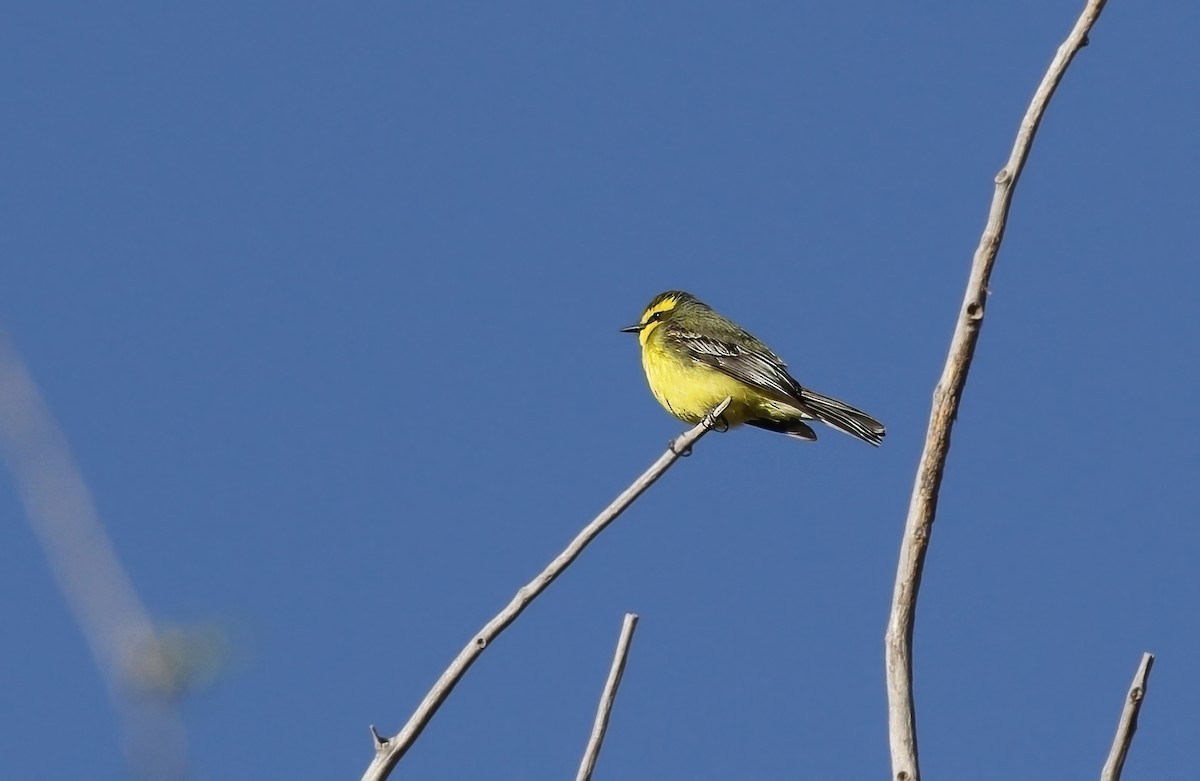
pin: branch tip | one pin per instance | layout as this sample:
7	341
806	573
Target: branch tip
1128	723
720	408
609	694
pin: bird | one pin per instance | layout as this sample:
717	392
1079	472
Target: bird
695	358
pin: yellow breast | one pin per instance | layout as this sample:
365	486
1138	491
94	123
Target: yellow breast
689	389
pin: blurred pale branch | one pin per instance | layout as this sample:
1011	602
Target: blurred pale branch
607	697
389	751
1127	726
946	398
145	667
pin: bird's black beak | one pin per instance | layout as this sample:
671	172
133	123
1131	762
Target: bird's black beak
632	329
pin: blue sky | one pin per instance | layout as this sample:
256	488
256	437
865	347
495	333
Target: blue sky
325	298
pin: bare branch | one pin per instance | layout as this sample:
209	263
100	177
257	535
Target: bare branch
607	697
946	398
389	752
1128	724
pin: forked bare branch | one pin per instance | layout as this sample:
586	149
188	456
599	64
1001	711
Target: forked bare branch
389	751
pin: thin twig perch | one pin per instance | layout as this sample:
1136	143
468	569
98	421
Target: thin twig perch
922	508
388	751
607	697
1129	718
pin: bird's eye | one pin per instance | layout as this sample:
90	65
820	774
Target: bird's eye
654	318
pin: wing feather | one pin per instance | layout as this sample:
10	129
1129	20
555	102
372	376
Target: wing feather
747	360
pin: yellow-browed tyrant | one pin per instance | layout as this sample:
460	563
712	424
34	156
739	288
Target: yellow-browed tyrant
694	358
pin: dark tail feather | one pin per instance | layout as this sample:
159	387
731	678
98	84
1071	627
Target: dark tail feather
793	428
843	417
